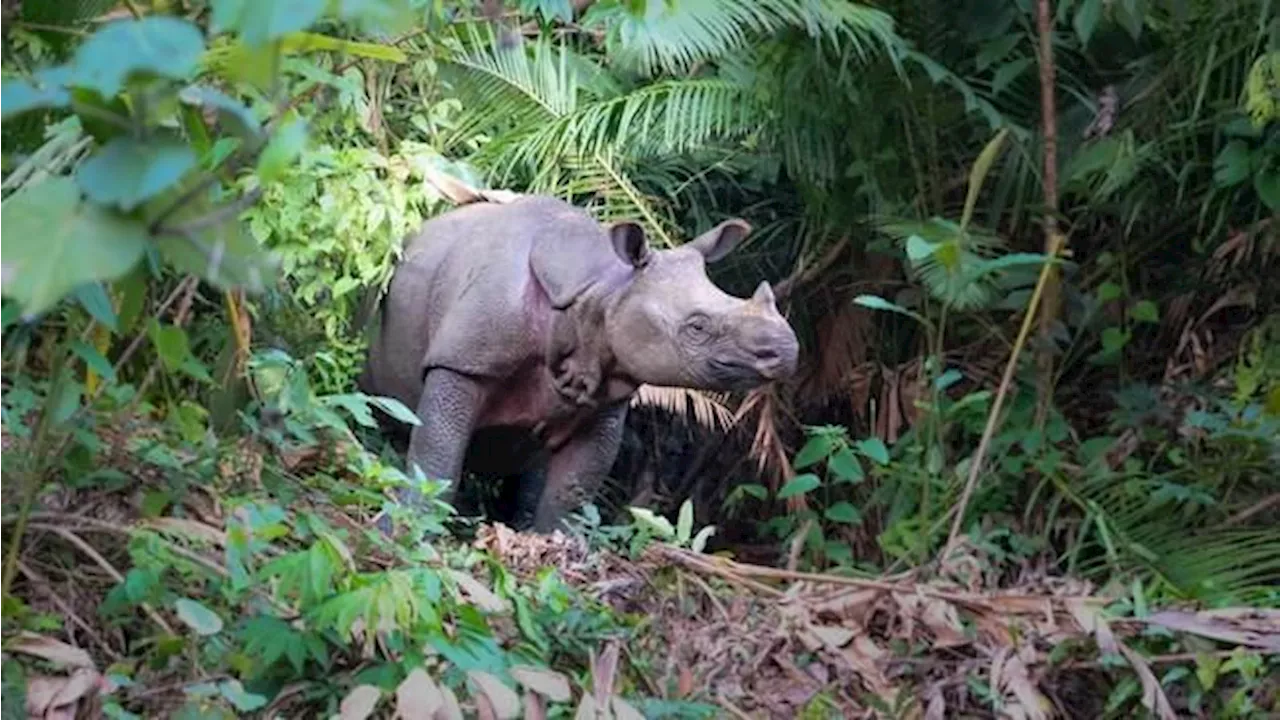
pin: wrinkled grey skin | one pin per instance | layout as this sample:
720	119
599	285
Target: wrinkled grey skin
531	316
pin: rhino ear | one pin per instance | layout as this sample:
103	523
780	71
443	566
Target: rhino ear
630	243
721	239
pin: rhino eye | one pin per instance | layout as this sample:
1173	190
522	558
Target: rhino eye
697	328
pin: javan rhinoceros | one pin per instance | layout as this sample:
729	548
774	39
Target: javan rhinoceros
531	316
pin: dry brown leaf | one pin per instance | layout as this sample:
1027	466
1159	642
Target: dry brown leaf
503	700
935	703
684	682
587	709
622	710
941	619
190	528
603	669
543	681
862	655
535	707
50	649
707	408
418	697
52	697
1091	620
1015	680
481	596
1153	696
450	710
833	637
1263	633
359	703
484	708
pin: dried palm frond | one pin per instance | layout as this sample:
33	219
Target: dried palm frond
707	409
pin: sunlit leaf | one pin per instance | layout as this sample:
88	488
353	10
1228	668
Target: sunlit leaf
843	512
799	485
128	171
58	241
283	147
258	22
875	449
684	522
158	45
198	617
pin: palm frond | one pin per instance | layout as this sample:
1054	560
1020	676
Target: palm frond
707	409
674	37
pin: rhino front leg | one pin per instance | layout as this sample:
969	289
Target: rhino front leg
577	469
448	408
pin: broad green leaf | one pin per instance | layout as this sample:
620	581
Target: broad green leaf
128	171
67	401
843	512
815	448
996	50
1086	19
395	409
799	485
1109	291
198	617
1231	166
684	522
94	360
947	379
875	449
755	490
225	255
18	96
241	699
157	45
845	467
57	241
284	146
1266	182
259	22
1146	311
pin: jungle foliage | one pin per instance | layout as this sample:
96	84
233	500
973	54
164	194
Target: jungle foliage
205	199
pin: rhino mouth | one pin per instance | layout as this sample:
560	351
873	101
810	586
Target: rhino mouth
728	374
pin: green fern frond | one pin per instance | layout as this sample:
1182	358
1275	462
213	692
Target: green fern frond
673	37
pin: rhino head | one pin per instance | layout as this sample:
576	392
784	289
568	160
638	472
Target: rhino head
670	325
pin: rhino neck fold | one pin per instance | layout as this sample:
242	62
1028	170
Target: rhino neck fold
583	366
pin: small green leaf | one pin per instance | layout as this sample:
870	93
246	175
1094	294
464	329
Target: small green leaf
57	242
1231	167
878	303
1007	73
755	490
700	540
157	45
1113	339
93	298
228	108
947	379
684	522
799	485
845	467
1109	291
241	699
1266	182
875	449
918	248
656	523
171	344
843	512
128	171
1086	19
198	617
94	360
285	145
395	409
1146	311
813	450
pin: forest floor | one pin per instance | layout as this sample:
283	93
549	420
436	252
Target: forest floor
695	634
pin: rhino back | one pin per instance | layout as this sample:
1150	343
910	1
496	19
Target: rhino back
464	297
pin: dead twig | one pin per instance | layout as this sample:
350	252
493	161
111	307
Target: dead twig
102	562
43	584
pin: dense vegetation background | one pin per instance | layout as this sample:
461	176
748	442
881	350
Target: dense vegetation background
1029	247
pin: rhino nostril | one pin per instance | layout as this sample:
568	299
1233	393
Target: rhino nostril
766	354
